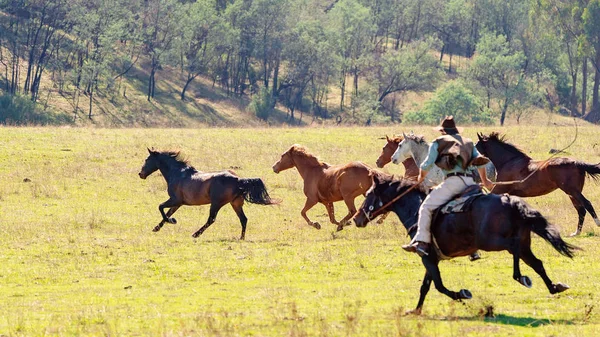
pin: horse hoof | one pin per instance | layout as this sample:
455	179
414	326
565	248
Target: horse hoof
172	221
474	257
317	225
574	234
560	287
195	235
464	294
156	229
416	311
339	228
526	281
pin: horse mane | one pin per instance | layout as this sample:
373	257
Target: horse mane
419	139
501	140
301	151
176	156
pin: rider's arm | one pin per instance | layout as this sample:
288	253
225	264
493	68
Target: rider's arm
429	161
482	171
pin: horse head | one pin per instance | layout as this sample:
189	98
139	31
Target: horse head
286	161
388	150
402	152
150	165
372	202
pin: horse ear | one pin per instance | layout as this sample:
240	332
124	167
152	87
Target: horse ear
376	179
151	151
387	138
480	136
403	134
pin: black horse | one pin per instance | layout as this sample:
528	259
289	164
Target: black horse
188	186
495	223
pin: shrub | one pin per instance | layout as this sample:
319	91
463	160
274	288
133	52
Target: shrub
19	110
262	104
451	99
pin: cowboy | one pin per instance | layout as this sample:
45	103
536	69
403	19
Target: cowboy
453	154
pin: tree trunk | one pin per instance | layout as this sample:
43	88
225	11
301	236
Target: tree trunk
584	71
573	103
504	109
187	83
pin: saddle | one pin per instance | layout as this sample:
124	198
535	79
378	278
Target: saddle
461	202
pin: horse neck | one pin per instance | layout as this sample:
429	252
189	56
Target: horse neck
419	151
407	208
169	166
501	156
305	167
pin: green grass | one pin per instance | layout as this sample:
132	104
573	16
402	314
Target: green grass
78	255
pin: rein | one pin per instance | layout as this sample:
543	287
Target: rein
544	164
392	201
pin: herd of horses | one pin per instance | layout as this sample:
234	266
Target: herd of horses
497	221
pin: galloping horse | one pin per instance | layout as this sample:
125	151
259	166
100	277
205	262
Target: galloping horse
410	167
543	177
416	147
187	186
494	223
326	183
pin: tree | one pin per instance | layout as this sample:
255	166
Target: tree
499	70
591	26
350	31
412	68
160	22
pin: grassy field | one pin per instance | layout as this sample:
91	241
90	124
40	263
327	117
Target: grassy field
78	255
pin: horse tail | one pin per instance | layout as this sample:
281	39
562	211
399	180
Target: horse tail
254	191
541	226
593	171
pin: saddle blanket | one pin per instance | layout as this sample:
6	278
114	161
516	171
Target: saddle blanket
463	202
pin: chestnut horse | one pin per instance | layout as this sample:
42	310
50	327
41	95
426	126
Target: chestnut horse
542	177
187	186
326	183
494	223
410	167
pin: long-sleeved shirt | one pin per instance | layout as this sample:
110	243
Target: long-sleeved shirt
432	155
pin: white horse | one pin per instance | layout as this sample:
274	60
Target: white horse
417	148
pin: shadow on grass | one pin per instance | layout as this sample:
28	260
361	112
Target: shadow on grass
526	321
509	320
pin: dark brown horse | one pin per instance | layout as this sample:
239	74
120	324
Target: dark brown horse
187	186
565	174
495	223
326	183
410	167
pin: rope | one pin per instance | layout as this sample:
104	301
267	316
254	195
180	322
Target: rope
543	165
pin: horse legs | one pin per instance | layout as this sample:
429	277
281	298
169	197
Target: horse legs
434	274
237	207
172	220
214	209
537	265
424	290
308	205
581	212
172	202
349	200
330	211
515	250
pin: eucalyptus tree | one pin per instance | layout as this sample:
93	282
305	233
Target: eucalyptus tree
161	26
591	26
412	68
350	29
203	35
499	70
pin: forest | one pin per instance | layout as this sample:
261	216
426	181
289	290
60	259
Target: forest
339	60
